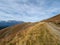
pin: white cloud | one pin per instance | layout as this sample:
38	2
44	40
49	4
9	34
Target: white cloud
28	10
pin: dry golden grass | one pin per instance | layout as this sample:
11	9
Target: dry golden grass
55	19
41	33
46	32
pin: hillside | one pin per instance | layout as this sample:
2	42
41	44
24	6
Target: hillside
55	19
13	29
39	33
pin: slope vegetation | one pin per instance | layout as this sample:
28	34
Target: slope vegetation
40	33
46	32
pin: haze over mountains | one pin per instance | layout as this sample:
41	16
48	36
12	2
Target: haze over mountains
4	24
46	32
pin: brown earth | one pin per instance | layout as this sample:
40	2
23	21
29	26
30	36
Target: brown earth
39	33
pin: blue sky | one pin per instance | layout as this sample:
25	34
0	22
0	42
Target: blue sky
28	10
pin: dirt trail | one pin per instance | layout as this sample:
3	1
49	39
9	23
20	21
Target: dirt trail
53	28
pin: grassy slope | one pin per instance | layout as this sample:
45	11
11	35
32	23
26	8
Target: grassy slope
41	33
55	19
7	34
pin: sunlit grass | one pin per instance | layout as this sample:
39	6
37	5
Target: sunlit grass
38	34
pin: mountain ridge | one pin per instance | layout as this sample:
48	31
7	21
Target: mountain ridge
55	19
5	24
45	32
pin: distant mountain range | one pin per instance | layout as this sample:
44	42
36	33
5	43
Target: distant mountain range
4	24
46	32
